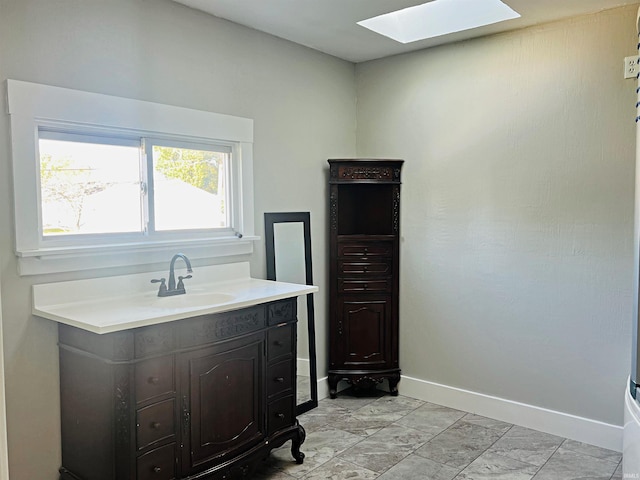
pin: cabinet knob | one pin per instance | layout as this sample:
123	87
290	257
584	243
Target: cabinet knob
154	380
280	415
277	343
366	285
155	425
279	379
157	469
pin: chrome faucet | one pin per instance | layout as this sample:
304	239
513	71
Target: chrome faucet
172	288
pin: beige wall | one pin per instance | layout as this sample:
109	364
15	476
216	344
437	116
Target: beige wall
517	214
302	103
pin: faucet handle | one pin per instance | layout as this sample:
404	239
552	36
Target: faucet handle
180	282
163	286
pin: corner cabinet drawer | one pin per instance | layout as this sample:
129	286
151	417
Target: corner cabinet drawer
280	414
155	423
365	249
280	343
279	378
154	378
363	286
377	267
158	464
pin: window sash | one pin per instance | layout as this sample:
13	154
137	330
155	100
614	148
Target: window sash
230	207
147	197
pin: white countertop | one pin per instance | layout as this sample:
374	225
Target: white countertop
111	304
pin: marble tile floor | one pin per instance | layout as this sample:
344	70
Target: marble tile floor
400	438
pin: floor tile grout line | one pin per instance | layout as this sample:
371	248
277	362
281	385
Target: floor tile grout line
587	454
422	403
548	460
614	472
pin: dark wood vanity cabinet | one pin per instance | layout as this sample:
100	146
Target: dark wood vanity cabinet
364	272
201	398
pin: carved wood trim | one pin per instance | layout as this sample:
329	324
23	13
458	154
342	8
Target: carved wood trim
281	312
123	418
209	329
333	208
231	326
366	173
396	209
154	340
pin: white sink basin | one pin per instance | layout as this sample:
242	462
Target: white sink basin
191	299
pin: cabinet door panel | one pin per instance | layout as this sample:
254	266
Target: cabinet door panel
364	328
225	397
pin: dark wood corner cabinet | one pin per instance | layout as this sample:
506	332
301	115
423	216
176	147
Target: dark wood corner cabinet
201	398
364	268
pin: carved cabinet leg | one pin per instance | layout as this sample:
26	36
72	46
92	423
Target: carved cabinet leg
393	384
333	385
296	443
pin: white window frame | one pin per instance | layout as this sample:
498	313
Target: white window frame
32	106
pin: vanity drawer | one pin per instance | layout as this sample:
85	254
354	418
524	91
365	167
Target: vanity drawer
154	378
155	423
279	378
158	464
360	286
365	249
283	311
280	342
280	414
377	267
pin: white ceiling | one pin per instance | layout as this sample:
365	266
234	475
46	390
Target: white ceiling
330	25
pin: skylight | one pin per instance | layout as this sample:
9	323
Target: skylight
438	17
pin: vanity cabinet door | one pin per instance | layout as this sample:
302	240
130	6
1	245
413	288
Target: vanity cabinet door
222	401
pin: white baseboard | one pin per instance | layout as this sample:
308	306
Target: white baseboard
557	423
323	388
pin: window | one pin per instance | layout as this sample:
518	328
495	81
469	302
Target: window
113	185
105	181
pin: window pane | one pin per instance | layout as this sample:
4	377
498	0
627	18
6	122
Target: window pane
189	189
89	188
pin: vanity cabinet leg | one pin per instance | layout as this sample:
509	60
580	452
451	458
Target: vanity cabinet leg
333	385
296	443
393	384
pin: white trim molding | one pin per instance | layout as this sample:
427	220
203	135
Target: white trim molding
562	424
32	105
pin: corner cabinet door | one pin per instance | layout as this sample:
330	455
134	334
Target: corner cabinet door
222	398
364	331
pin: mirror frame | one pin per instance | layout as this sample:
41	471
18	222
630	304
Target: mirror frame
270	219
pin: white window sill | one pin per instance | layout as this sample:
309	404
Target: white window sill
69	259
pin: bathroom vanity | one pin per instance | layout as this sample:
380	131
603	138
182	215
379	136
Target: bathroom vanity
203	396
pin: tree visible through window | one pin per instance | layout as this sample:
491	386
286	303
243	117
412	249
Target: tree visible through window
189	188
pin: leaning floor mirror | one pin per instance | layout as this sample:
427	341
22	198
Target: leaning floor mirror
288	251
